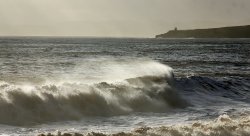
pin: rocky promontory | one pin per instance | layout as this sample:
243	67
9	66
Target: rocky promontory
223	32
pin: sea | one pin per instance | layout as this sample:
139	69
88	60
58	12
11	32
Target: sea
124	85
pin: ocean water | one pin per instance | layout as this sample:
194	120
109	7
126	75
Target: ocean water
111	85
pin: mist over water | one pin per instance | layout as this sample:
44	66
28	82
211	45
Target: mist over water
113	85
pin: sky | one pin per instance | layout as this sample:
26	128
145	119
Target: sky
117	18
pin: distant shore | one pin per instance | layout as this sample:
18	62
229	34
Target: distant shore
223	32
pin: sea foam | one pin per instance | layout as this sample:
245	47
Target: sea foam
221	126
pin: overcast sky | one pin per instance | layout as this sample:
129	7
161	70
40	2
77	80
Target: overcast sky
117	18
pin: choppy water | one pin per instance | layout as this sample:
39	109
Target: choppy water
111	85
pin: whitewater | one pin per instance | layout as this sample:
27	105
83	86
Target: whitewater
119	86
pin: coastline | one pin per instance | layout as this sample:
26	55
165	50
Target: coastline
221	32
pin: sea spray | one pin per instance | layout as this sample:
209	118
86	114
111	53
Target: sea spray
147	90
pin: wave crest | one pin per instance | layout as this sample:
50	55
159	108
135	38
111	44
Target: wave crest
27	104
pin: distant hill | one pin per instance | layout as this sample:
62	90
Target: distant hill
223	32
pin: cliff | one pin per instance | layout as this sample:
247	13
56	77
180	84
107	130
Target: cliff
223	32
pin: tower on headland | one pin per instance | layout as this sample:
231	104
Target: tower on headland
175	29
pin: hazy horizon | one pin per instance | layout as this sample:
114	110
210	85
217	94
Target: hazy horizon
117	18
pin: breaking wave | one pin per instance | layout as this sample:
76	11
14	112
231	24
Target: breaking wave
25	104
113	88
